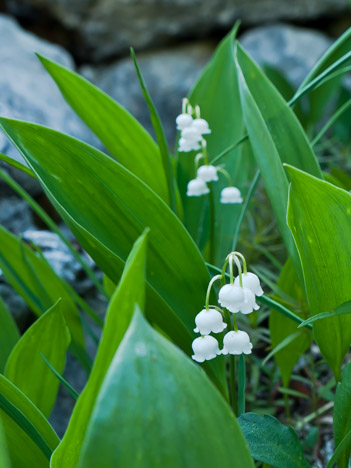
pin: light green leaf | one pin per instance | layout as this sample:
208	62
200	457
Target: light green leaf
118	130
107	207
30	438
157	408
26	368
342	415
9	334
4	456
344	309
271	442
319	216
281	327
36	282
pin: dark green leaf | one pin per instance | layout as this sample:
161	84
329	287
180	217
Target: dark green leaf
9	334
342	415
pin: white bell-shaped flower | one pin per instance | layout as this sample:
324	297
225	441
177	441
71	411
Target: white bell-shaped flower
231	297
188	145
208	321
251	281
196	188
236	342
183	121
191	134
205	348
249	304
231	195
207	173
201	126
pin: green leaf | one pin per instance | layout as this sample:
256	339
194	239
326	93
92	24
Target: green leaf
281	327
25	367
9	334
216	92
36	282
187	424
271	442
344	309
319	218
342	415
319	97
107	207
4	456
118	130
130	291
30	438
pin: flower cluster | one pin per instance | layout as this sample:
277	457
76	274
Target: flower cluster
192	130
237	296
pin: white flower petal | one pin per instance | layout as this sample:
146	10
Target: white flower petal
201	125
231	297
183	121
231	195
236	342
207	173
208	321
251	281
249	304
205	348
196	188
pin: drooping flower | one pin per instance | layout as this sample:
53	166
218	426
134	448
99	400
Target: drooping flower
231	195
249	303
231	297
183	121
251	281
201	125
196	188
207	173
205	348
208	321
186	145
236	342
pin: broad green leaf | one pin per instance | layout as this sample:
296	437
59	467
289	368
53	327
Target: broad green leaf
272	442
9	334
319	216
344	309
216	92
157	408
118	130
36	282
107	208
26	368
130	291
342	415
29	437
281	327
4	456
319	97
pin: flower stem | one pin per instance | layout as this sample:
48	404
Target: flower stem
241	385
215	278
226	174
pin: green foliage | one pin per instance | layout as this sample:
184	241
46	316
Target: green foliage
26	368
319	219
272	442
176	416
342	415
9	334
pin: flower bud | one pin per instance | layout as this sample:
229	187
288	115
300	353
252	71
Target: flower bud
250	281
231	297
207	173
196	188
231	195
205	348
236	342
208	321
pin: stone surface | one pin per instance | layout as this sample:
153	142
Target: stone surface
292	50
15	304
28	93
106	28
15	215
168	73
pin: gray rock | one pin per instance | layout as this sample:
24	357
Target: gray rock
15	304
291	50
61	259
168	73
15	215
107	28
28	93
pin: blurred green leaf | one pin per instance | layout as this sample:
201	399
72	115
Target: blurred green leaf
118	130
319	218
37	283
30	438
4	456
176	416
9	334
130	291
281	327
272	442
342	415
107	207
25	367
